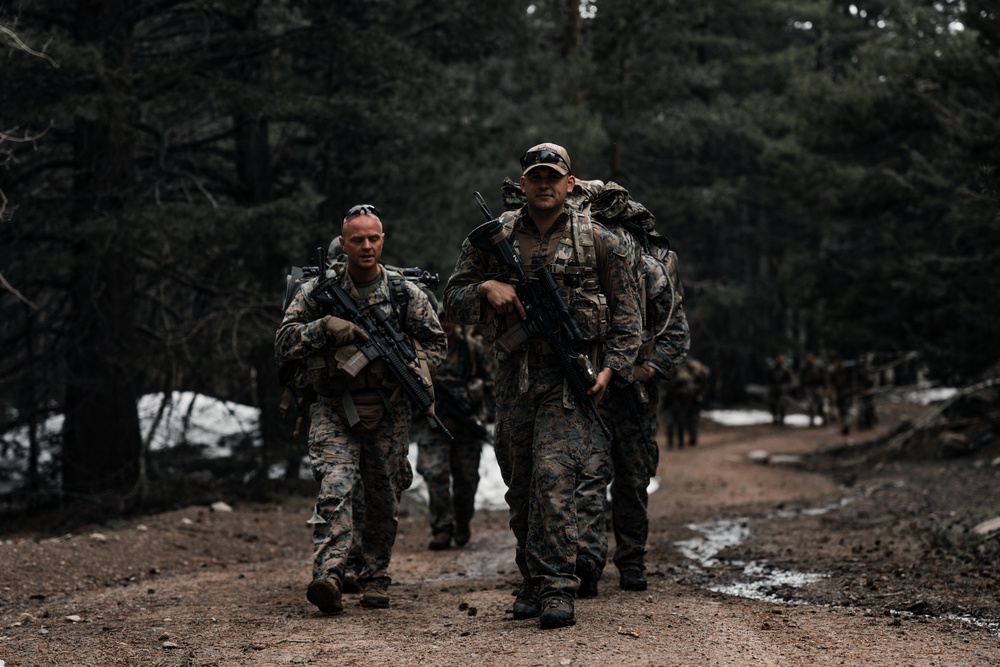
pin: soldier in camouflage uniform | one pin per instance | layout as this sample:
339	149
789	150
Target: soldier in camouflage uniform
842	381
355	560
631	409
359	424
814	382
867	417
544	439
451	467
681	399
779	384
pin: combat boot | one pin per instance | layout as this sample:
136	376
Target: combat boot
586	570
557	612
352	581
376	594
325	594
526	604
632	578
440	542
462	535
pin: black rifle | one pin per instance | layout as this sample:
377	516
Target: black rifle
547	313
454	406
415	274
384	342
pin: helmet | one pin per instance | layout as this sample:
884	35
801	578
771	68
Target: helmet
335	250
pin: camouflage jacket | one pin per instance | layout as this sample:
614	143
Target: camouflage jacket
620	341
813	376
301	335
467	360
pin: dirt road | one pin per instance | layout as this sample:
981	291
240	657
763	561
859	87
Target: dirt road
853	567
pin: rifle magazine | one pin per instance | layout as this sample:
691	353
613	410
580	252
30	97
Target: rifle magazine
355	364
512	339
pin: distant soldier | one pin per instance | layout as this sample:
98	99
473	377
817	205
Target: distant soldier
682	400
842	381
451	466
779	384
814	382
866	398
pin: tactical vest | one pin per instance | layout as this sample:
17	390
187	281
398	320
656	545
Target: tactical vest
574	267
322	378
363	396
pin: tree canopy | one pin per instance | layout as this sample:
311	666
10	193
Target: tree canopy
826	171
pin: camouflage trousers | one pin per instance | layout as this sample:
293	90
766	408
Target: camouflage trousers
341	457
451	470
634	457
542	447
777	400
816	399
355	559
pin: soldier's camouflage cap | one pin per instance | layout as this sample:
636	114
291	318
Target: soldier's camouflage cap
548	155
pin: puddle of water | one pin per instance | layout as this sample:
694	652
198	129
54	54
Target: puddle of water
991	624
716	536
763	579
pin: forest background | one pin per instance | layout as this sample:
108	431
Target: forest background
826	171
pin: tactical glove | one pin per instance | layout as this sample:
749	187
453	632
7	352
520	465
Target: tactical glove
342	331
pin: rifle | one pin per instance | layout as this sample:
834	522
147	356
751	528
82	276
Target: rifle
384	342
415	274
454	406
547	313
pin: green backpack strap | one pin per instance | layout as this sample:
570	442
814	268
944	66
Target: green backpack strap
398	295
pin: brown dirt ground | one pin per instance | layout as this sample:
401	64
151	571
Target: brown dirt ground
906	581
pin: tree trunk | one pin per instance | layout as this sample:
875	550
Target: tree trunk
101	435
254	174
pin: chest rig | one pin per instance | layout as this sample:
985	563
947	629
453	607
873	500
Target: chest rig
572	261
362	393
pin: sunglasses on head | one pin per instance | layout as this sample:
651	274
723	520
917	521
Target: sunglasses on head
362	209
542	156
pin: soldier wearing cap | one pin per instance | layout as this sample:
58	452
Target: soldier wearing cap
544	440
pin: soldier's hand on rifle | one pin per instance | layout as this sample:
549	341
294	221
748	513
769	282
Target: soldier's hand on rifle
604	378
502	297
342	331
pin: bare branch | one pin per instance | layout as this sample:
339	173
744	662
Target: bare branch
10	288
24	140
24	47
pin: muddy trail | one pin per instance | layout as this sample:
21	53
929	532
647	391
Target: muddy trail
768	546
